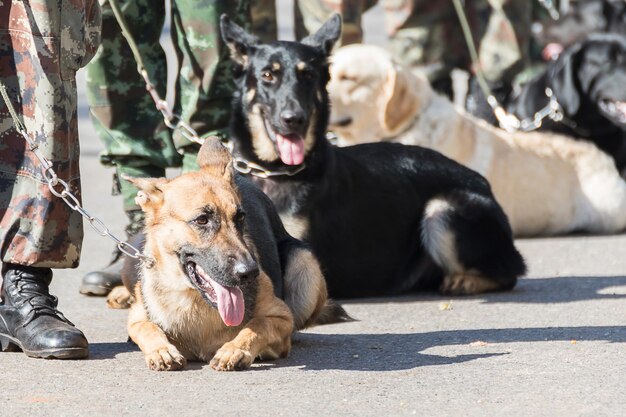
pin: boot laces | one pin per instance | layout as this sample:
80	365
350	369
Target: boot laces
37	296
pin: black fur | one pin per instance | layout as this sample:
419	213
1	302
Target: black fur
583	78
365	204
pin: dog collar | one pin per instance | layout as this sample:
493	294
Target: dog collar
250	168
245	167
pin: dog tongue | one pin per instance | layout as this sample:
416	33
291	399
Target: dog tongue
291	149
230	304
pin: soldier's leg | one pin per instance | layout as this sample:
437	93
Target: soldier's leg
504	52
427	35
263	19
136	142
38	230
311	14
505	45
204	86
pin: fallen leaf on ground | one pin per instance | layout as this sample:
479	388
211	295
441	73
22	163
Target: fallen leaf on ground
445	306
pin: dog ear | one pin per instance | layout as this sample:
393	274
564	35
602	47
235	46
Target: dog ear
237	39
215	159
150	192
564	80
400	101
326	36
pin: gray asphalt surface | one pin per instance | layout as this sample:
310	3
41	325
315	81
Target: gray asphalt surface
556	345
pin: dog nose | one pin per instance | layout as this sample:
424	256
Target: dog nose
247	269
292	119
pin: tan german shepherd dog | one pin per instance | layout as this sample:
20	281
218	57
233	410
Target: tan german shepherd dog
207	296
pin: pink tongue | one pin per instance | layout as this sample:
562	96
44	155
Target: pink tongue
230	304
291	149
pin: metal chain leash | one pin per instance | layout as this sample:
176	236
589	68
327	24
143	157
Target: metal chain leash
508	121
53	182
176	122
511	123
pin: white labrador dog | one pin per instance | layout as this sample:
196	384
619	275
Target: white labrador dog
547	184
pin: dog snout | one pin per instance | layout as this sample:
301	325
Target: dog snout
292	119
246	269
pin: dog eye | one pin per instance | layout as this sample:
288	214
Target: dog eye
202	220
267	76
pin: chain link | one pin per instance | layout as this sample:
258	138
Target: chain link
52	181
511	123
507	121
176	123
247	167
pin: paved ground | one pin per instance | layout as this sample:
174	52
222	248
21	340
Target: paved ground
556	345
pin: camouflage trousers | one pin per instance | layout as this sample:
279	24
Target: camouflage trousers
135	138
42	45
427	34
308	16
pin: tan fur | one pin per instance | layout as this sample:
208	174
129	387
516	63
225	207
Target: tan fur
305	287
237	56
467	283
171	322
547	184
275	66
119	298
250	95
263	146
297	226
300	66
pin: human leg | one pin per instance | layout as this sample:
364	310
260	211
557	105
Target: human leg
39	231
136	142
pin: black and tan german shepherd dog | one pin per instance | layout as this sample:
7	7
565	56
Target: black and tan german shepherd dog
382	218
227	283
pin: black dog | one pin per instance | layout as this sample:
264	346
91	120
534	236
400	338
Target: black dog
382	218
589	82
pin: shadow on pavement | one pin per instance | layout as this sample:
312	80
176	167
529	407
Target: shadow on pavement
532	290
99	351
393	352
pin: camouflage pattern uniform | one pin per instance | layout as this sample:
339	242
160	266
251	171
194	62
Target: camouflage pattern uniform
42	45
427	34
263	20
136	141
311	14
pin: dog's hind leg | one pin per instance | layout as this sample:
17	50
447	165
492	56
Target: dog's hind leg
468	236
266	336
305	288
160	354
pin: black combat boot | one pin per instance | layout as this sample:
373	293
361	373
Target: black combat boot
29	319
99	283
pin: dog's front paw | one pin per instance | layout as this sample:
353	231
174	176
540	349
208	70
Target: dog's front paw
166	358
119	298
231	358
